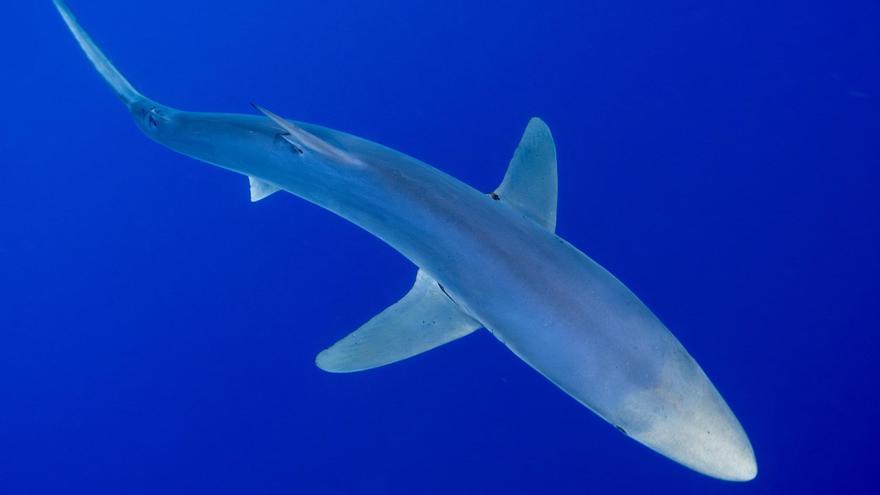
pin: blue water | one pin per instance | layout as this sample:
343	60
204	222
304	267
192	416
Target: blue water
158	331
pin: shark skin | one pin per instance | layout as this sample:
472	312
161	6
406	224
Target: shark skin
500	266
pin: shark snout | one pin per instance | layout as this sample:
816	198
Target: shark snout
709	440
741	465
715	444
686	419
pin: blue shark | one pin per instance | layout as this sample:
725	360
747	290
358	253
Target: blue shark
488	261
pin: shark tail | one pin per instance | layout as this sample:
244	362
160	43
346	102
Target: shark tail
114	78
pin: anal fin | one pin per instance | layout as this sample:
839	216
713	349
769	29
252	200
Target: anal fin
423	319
261	189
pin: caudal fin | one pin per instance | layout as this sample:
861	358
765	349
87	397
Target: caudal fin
114	78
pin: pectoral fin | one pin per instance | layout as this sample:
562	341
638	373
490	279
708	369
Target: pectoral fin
423	319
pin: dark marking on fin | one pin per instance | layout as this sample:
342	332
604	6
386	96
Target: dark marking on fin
286	137
443	289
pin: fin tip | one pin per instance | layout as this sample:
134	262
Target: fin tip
325	362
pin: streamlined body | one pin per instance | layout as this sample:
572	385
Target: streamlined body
485	261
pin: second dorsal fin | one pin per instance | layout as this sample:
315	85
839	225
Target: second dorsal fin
530	184
300	138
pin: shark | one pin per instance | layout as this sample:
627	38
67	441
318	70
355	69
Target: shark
485	261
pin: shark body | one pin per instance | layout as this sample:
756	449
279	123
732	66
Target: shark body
485	261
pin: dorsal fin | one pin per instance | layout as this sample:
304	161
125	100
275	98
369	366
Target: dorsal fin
426	317
530	182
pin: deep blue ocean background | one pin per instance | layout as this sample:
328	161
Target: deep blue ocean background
158	331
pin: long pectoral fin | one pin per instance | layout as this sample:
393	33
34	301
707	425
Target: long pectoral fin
423	319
